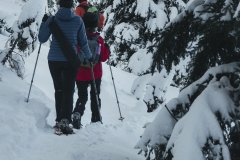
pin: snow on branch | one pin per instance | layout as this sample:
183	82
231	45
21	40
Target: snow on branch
208	109
23	38
154	87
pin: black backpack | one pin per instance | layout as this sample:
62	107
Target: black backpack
91	9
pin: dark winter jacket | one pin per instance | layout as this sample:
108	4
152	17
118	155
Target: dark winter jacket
84	73
73	28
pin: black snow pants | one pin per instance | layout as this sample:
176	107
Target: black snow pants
83	98
63	75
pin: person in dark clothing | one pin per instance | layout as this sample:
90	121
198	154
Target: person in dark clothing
84	76
81	9
62	72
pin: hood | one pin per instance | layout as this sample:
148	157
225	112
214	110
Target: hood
65	14
85	3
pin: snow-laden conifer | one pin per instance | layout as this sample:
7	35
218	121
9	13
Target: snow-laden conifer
23	38
131	27
201	123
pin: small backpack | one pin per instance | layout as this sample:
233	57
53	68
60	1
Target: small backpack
95	49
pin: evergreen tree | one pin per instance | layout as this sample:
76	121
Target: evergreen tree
23	38
131	27
204	119
52	6
205	32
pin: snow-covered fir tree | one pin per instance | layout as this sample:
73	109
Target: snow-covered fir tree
206	31
130	30
131	27
161	41
23	38
204	35
52	6
203	122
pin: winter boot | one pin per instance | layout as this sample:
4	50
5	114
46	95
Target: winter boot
76	120
96	118
56	127
64	127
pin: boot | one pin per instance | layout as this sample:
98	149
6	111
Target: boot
64	127
76	120
57	126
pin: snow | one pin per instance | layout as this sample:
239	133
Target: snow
187	130
143	8
140	61
26	128
189	135
29	11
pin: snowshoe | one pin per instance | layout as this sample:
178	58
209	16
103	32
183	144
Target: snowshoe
56	126
64	128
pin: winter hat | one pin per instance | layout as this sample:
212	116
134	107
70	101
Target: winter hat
90	20
66	3
80	1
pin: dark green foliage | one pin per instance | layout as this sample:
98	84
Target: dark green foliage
2	23
234	137
230	128
208	43
125	13
22	43
218	48
52	7
179	79
151	107
185	1
172	44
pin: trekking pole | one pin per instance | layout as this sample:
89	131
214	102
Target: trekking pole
121	118
95	88
33	73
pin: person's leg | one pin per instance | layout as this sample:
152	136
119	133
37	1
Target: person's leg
69	75
56	73
94	106
82	96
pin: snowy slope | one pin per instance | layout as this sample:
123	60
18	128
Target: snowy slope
26	128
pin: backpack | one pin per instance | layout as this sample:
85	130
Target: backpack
95	49
91	9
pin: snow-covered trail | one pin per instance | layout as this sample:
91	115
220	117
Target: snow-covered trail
27	127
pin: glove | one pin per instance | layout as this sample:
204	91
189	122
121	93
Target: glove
90	60
45	18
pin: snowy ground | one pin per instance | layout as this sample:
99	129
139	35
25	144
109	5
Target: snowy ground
26	128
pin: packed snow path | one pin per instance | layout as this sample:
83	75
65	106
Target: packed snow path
26	128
